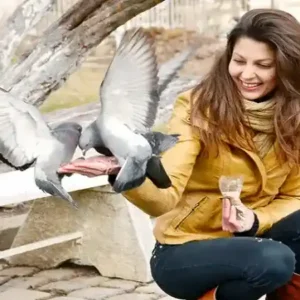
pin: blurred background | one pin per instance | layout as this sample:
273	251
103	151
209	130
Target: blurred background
173	23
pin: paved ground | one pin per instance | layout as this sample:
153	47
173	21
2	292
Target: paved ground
71	283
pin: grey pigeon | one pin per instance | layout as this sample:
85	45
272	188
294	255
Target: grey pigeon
129	101
26	140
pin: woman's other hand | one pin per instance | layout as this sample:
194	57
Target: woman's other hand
236	217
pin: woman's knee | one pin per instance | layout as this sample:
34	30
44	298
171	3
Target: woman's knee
277	263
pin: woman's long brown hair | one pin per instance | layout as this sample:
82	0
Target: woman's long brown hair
217	100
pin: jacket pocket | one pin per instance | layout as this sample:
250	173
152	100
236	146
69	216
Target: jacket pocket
188	212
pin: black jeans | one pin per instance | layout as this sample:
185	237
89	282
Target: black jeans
242	267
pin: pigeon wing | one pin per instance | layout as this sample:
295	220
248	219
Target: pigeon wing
21	130
129	91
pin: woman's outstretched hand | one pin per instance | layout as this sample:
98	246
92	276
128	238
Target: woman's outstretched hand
92	166
236	217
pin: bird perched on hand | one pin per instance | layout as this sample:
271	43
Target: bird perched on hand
129	96
26	140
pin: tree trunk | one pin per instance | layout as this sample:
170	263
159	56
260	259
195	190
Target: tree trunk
25	17
63	46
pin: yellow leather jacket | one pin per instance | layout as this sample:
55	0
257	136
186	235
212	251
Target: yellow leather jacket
191	208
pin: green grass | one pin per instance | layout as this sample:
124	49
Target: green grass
80	88
64	100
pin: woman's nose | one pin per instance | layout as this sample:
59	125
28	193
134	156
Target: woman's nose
248	73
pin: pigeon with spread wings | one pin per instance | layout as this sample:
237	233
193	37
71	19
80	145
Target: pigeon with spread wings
129	97
26	140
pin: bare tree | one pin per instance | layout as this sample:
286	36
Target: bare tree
62	47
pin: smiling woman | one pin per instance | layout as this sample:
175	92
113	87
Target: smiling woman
242	120
254	72
261	62
246	110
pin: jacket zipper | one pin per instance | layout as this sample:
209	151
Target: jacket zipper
192	210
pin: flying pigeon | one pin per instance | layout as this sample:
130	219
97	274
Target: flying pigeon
26	140
129	100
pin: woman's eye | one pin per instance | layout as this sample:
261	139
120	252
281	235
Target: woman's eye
265	66
238	61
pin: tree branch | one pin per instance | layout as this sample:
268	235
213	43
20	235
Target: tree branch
109	17
77	14
60	52
24	18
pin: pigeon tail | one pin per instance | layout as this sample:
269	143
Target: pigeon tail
157	173
159	142
131	175
52	185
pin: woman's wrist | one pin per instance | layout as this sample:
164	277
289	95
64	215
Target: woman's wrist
252	231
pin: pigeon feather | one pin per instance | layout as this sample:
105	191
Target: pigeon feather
129	90
26	140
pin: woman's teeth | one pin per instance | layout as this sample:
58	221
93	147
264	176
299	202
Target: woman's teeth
250	85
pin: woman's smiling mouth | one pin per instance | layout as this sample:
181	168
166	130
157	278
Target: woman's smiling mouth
250	86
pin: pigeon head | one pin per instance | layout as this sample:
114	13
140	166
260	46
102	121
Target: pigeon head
69	126
87	139
68	132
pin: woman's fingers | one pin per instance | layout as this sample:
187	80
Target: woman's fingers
234	223
224	214
226	211
229	216
235	216
226	208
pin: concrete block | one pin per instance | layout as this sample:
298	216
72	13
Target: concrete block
117	236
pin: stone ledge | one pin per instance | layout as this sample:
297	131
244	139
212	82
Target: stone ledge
117	236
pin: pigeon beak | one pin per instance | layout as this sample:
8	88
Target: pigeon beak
84	152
